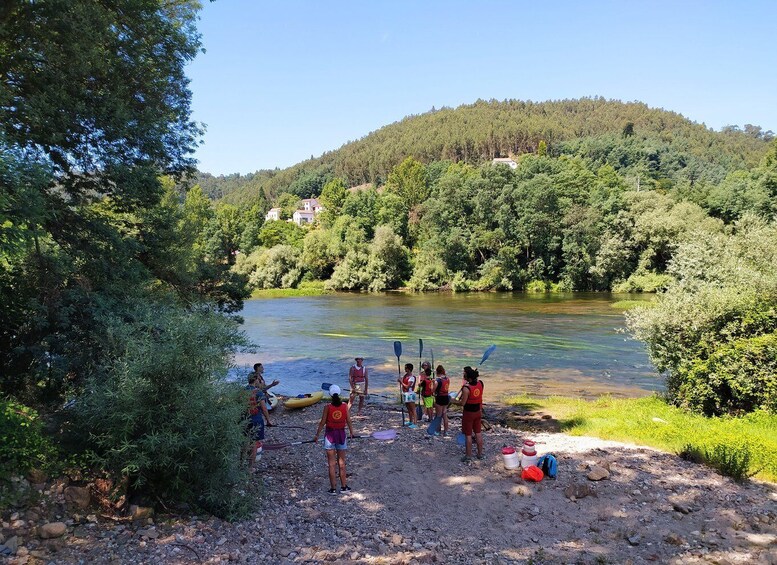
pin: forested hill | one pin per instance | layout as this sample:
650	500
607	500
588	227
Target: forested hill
632	137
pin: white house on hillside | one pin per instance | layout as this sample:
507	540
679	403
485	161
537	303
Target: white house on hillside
306	214
505	161
273	214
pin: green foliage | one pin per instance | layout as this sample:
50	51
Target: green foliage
408	181
738	377
23	445
281	233
351	273
277	267
729	460
643	282
333	196
288	203
388	264
158	412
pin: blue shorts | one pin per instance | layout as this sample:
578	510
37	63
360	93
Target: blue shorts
255	429
335	439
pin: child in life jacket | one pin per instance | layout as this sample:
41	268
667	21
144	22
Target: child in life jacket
334	421
442	397
407	386
426	388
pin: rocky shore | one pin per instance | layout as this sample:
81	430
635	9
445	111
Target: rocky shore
414	501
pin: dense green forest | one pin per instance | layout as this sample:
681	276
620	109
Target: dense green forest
122	269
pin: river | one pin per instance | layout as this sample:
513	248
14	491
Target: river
571	344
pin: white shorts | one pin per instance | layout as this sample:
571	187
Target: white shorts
357	389
409	397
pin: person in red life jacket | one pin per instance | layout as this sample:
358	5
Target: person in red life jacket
441	397
426	388
357	376
472	402
407	384
334	420
257	412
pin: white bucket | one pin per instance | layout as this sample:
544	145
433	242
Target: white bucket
510	457
528	460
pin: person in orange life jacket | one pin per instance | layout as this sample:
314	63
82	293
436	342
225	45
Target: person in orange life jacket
334	419
263	387
426	388
254	427
408	383
357	376
472	402
441	397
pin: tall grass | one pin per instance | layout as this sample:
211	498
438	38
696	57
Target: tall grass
652	422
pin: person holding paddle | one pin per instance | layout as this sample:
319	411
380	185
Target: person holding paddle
407	384
357	376
472	402
254	426
426	388
334	420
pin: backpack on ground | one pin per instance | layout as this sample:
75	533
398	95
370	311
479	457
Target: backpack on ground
549	465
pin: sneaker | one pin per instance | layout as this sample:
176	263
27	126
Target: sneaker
332	491
466	459
346	488
436	434
479	456
412	426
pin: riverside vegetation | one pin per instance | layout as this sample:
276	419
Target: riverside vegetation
122	269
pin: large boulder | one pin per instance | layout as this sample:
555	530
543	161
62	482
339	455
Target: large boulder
78	497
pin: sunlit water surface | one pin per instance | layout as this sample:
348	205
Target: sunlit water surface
546	344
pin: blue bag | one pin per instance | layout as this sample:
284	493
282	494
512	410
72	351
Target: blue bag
549	465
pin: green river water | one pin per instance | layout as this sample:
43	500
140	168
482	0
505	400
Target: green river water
570	344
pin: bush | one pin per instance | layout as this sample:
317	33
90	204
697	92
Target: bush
536	286
737	378
644	281
160	416
22	444
278	267
729	460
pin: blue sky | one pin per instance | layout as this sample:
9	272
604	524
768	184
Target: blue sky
283	80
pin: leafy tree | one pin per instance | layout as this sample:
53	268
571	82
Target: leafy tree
288	203
281	233
333	196
388	263
408	181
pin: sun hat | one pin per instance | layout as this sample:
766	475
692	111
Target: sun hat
334	389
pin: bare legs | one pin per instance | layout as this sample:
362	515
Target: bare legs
333	459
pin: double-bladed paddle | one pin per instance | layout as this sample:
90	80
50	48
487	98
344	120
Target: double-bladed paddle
398	353
274	446
325	386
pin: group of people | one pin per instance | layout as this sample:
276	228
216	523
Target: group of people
435	400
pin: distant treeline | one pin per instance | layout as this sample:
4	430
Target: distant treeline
476	133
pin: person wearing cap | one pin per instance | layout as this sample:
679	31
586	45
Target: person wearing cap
407	386
357	376
334	421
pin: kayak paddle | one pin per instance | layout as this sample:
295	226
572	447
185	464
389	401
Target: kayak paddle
274	446
398	353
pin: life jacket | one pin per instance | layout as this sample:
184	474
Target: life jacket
253	404
358	374
336	416
428	385
408	383
443	385
475	394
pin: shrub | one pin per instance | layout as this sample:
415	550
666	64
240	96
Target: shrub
388	264
22	443
278	267
729	460
537	286
351	273
644	281
737	378
460	282
159	414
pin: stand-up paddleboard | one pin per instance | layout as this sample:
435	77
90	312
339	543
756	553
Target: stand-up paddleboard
307	400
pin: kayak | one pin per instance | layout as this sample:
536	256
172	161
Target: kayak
307	400
272	401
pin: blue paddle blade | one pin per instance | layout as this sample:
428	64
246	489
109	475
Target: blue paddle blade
398	349
487	354
434	427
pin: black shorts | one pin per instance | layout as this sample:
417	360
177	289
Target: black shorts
443	400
